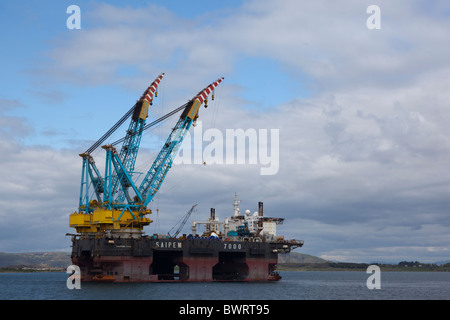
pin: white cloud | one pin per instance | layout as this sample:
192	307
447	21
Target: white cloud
39	190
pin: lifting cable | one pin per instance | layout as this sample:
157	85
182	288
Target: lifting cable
110	131
171	113
123	119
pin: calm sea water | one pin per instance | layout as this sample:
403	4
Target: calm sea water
295	285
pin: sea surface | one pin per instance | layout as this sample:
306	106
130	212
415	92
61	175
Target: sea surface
295	285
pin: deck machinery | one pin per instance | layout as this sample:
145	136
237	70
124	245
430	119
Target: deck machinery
110	243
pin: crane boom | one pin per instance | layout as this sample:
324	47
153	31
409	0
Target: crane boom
183	222
89	173
158	171
130	146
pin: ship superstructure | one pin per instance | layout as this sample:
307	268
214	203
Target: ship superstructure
242	226
110	244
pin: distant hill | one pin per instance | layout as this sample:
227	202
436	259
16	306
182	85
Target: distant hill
35	259
62	259
295	257
288	261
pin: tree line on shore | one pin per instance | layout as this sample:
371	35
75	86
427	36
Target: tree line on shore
350	266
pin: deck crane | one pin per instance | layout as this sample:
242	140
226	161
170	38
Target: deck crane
155	176
90	172
130	146
182	223
111	214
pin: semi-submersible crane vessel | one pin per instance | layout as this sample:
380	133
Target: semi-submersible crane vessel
110	243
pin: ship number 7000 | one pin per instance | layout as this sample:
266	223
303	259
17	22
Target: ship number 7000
230	246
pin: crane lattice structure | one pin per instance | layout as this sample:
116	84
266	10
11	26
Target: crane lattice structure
182	222
115	207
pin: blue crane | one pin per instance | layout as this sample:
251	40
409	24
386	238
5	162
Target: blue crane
132	140
182	222
122	211
158	171
90	173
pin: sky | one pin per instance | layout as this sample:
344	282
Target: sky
360	114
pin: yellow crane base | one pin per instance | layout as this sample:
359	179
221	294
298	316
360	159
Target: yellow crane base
103	219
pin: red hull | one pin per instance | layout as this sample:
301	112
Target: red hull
190	269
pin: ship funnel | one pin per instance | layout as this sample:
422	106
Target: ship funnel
260	209
213	214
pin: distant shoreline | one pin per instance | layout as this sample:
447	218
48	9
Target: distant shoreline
337	266
280	267
31	270
294	261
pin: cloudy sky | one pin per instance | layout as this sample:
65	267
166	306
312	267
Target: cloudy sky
362	114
